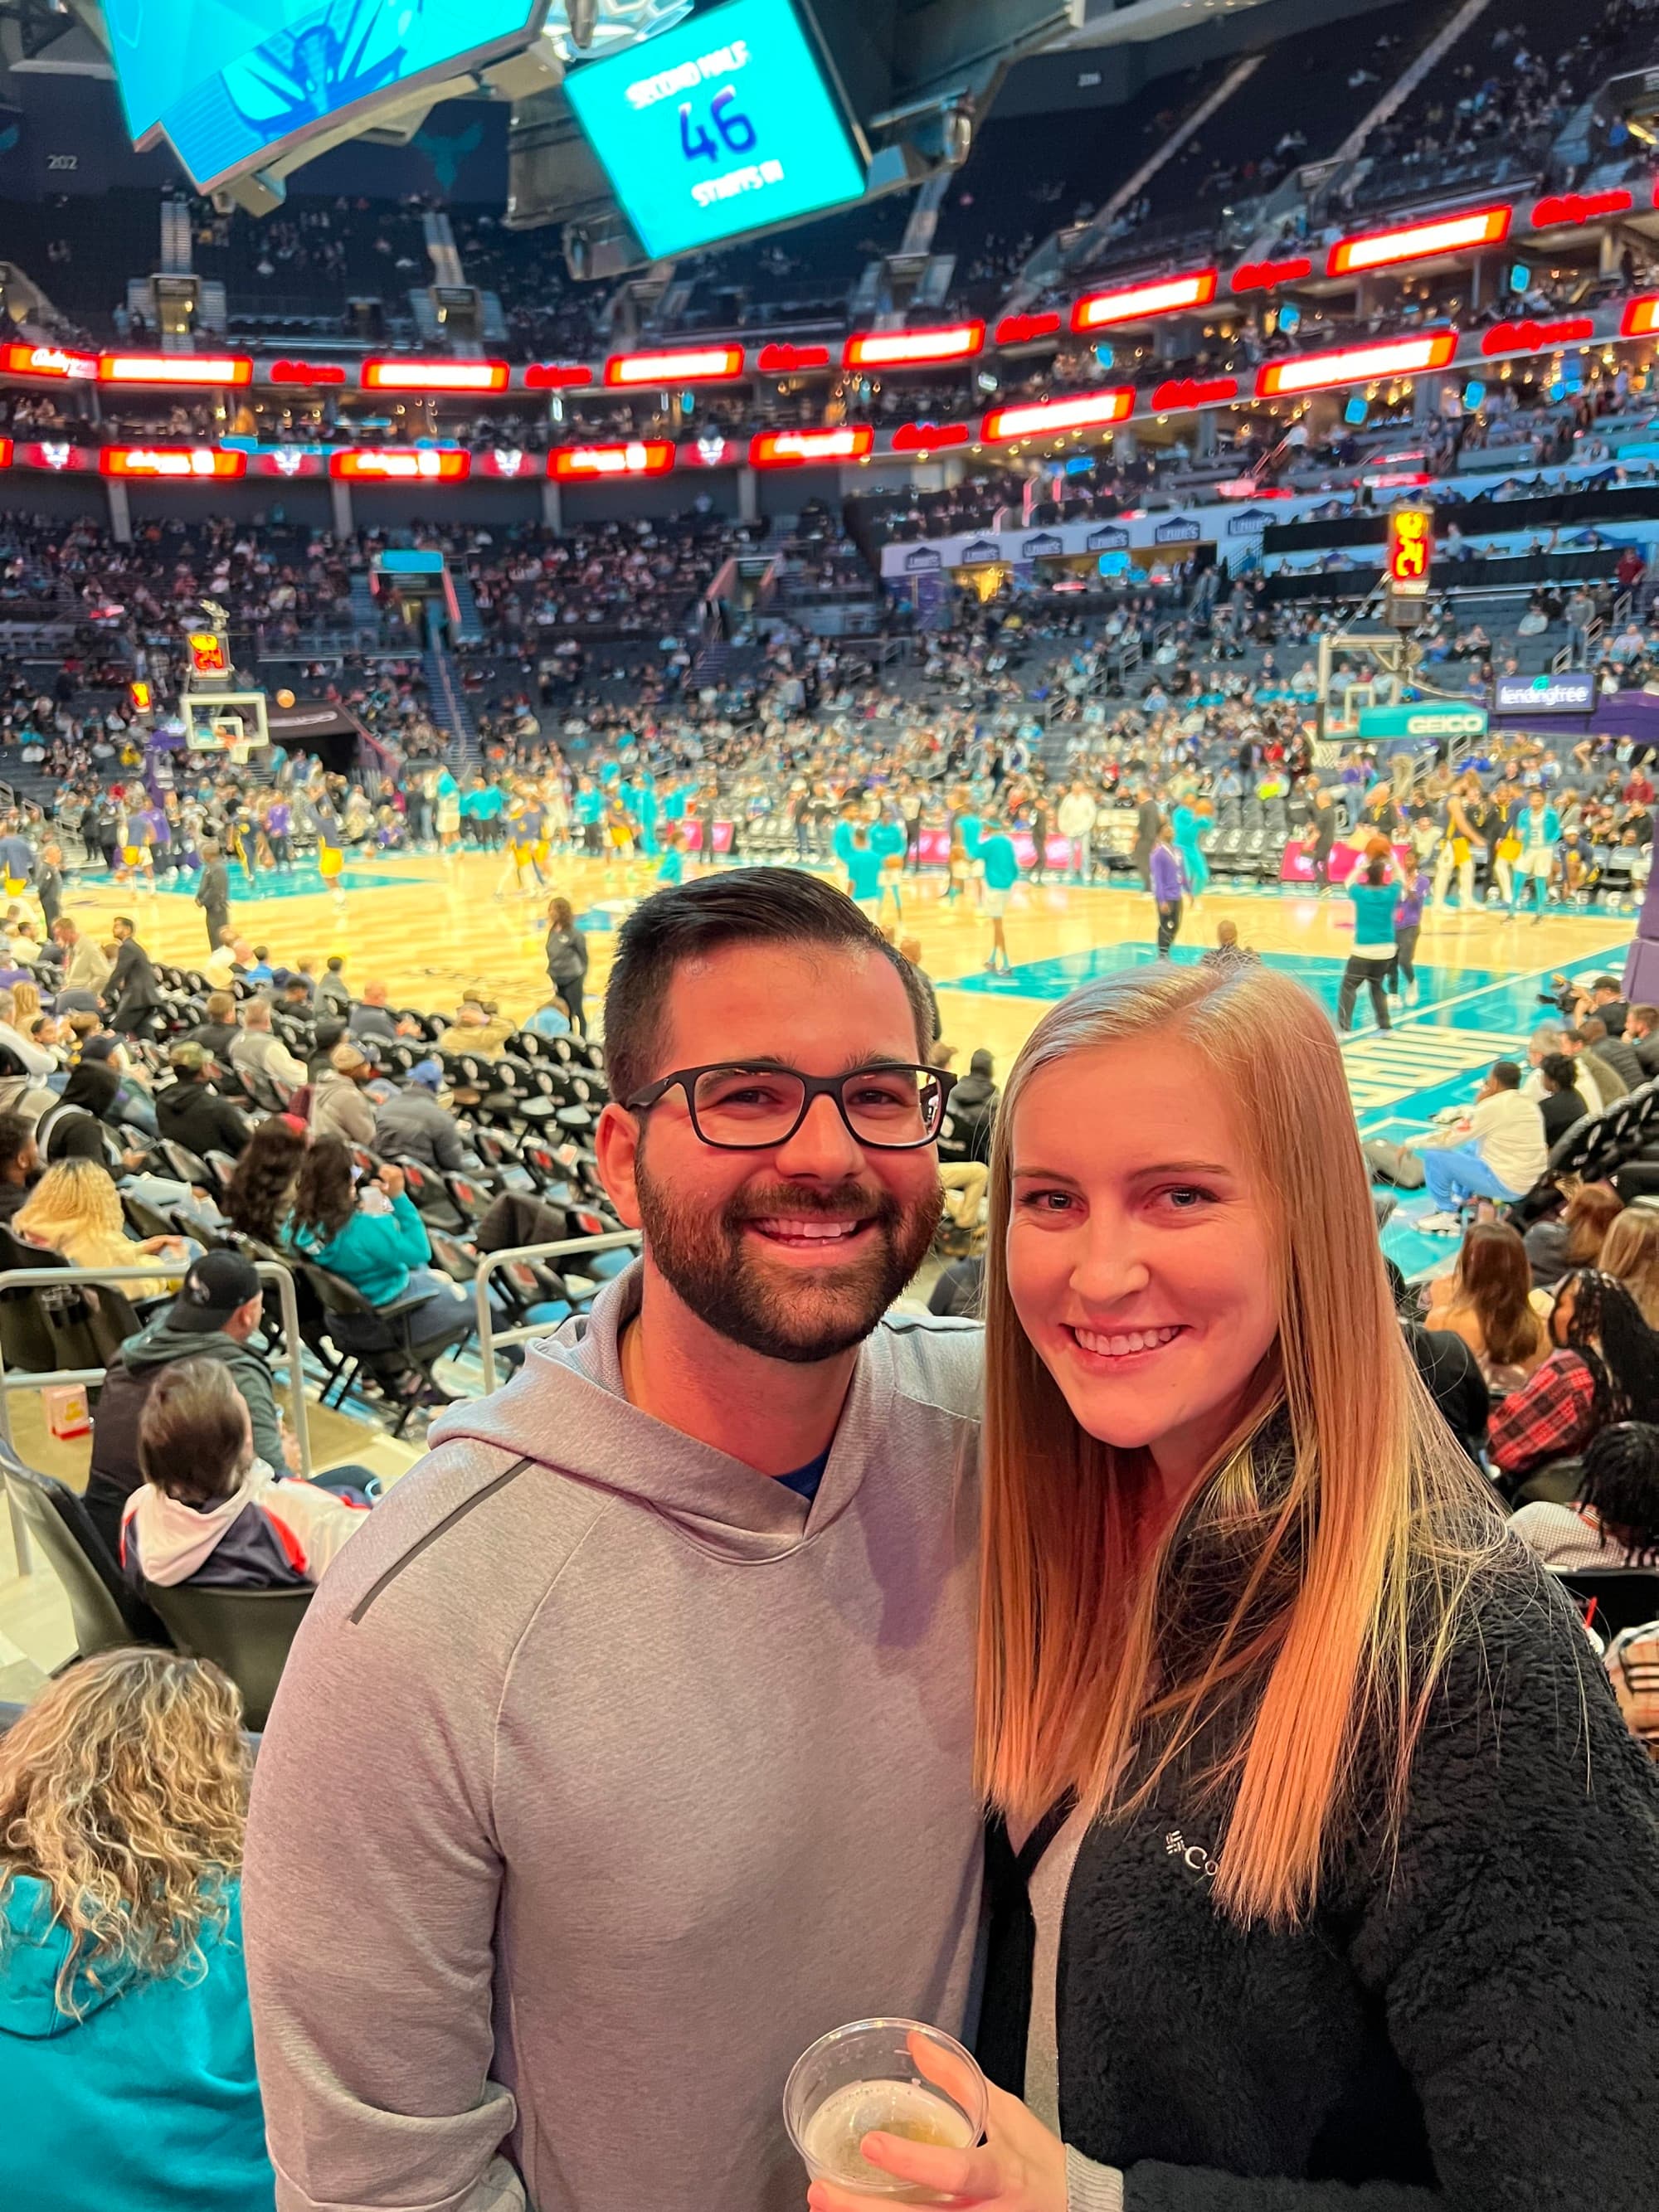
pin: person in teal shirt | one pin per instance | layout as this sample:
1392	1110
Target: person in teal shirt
646	812
1537	830
126	2052
1373	954
673	870
587	812
994	850
1193	865
376	1242
491	811
862	861
887	836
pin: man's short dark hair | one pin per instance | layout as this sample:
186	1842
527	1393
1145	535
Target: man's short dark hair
742	905
1591	1030
124	921
1648	1016
1506	1075
1608	983
1557	1069
15	1134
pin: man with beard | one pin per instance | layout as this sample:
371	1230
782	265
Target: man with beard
641	1712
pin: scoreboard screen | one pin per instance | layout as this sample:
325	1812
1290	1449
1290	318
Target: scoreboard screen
231	87
724	124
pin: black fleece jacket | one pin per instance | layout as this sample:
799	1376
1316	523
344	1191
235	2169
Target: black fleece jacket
1467	2023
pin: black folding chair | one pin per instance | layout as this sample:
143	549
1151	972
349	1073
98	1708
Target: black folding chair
247	1632
105	1612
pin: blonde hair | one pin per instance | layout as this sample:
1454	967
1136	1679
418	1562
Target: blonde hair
25	1004
1296	1612
1630	1251
75	1210
123	1789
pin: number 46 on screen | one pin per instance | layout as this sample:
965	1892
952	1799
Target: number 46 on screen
697	141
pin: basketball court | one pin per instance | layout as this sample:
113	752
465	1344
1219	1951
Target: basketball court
433	928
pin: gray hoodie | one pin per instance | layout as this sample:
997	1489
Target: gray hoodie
630	1774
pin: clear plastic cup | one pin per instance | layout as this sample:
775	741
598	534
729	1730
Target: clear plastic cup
864	2077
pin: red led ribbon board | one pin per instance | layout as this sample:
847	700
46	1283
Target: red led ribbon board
1267	276
912	349
785	449
1529	337
1561	208
288	462
1179	391
1320	372
55	456
556	375
403	375
199	371
175	463
1052	418
424	465
928	437
779	360
1132	303
1420	241
306	372
1026	330
638	457
677	365
1640	317
45	361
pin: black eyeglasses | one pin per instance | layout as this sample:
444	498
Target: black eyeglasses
891	1106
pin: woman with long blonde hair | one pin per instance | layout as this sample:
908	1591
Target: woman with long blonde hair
74	1210
126	2052
1274	1926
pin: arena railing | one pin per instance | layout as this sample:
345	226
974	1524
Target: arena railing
21	1378
491	1263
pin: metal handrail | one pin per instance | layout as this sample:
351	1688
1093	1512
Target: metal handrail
488	1335
28	1278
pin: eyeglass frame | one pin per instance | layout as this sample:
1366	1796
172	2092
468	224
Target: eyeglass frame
813	1087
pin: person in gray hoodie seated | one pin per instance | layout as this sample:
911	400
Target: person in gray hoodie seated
411	1125
643	1708
211	1511
215	1317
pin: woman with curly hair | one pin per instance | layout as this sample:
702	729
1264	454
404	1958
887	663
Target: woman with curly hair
1604	1368
126	2053
1614	1522
261	1193
74	1210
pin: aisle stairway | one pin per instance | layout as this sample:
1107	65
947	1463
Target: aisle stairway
448	708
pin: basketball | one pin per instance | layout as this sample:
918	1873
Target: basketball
1377	847
284	698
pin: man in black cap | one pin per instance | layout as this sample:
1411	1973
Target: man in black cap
215	1313
191	1113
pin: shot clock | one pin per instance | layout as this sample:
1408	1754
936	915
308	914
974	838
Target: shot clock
1408	564
726	123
